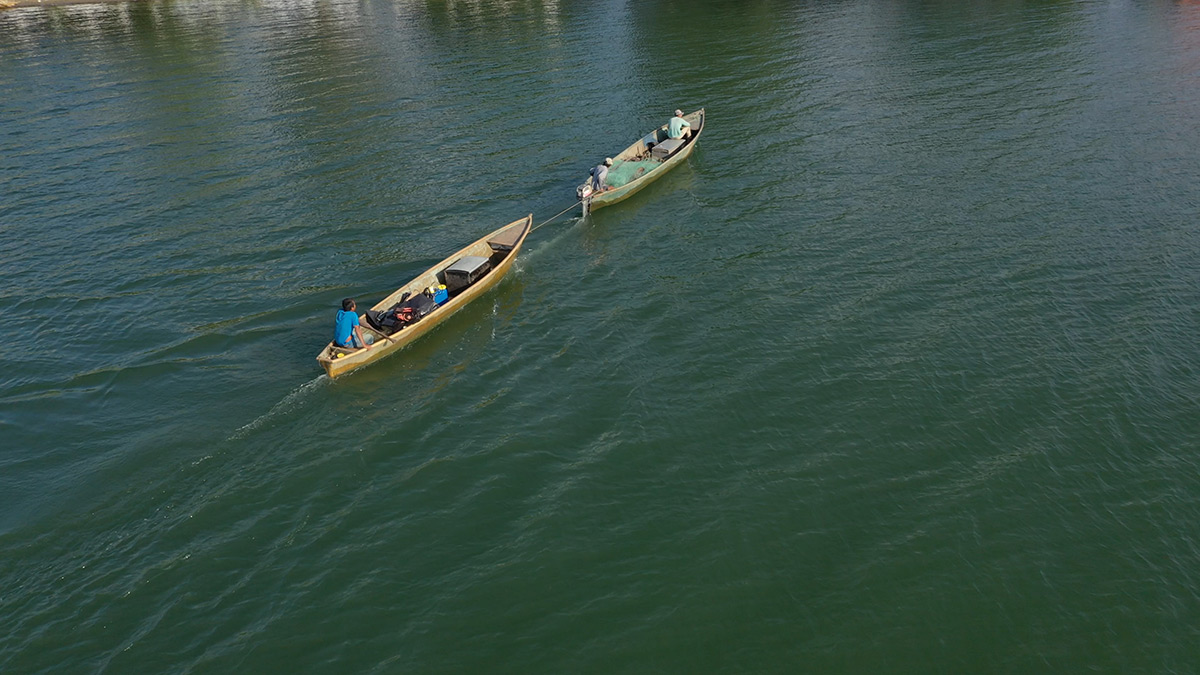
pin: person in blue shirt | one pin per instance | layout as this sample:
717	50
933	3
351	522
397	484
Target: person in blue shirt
347	330
678	127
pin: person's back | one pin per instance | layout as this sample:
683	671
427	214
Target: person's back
346	331
677	126
343	328
600	174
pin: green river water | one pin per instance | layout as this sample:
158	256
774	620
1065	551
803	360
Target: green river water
897	373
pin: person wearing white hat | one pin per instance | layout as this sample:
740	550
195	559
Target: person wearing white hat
678	127
599	174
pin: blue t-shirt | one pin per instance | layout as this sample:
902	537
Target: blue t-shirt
344	327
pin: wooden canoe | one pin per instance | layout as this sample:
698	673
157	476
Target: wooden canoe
499	247
639	155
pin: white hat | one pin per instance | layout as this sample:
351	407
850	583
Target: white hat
608	161
679	113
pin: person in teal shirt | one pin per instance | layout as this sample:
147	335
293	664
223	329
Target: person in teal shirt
678	127
347	330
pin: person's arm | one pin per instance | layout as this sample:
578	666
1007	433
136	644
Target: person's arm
358	331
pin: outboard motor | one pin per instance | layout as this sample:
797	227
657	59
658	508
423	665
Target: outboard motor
584	193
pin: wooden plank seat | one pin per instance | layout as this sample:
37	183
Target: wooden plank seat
506	240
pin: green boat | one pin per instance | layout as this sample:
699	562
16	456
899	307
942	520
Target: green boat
641	164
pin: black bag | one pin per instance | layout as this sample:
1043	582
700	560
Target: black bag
421	306
408	311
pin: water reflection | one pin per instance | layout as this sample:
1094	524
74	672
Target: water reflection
547	14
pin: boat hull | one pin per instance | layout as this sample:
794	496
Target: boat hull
384	345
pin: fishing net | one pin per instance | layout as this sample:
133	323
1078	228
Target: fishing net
623	172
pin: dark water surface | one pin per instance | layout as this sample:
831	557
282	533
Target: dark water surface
899	373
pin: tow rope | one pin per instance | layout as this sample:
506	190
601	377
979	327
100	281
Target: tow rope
556	216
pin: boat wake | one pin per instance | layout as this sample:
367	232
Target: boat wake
293	401
563	229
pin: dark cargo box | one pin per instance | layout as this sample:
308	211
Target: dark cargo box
466	271
666	148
